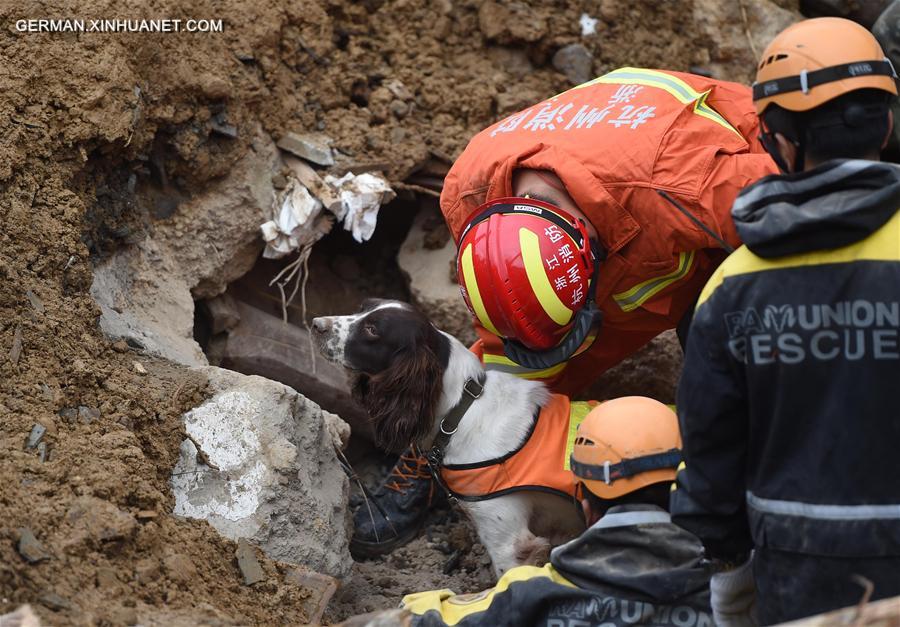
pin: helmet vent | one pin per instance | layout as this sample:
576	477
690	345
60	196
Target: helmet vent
772	59
583	440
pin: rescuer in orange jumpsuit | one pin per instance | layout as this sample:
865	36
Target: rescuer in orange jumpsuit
593	158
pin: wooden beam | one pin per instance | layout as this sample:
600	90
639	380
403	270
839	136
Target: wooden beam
884	613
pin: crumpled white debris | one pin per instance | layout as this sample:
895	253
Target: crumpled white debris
299	221
295	220
588	25
361	197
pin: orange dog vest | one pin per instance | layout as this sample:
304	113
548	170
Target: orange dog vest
540	463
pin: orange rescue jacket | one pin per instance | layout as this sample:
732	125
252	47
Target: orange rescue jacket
613	141
540	463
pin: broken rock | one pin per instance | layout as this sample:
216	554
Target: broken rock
279	483
54	602
247	562
321	588
576	62
37	432
223	313
30	548
146	291
313	147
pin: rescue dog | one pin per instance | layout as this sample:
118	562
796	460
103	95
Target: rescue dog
409	375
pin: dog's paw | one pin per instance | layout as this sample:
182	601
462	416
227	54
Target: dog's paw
532	550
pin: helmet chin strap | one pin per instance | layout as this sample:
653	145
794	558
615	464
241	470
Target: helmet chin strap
588	319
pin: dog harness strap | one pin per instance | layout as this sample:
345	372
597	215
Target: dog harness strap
472	389
627	467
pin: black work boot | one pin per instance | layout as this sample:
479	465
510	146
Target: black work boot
402	504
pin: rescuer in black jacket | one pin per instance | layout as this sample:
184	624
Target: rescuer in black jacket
788	400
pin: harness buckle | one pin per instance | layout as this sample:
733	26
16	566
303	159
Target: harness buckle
474	394
449	432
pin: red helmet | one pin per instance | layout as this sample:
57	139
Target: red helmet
526	270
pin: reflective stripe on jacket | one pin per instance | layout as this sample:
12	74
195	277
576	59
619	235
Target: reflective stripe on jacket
613	142
541	463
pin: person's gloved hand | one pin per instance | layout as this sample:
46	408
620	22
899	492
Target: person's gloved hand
733	597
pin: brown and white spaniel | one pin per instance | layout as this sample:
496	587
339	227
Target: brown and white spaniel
409	375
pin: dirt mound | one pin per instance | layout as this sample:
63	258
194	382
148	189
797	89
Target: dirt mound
104	136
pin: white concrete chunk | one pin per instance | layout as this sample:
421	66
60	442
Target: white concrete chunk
266	471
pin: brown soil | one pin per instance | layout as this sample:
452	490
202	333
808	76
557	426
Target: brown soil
102	135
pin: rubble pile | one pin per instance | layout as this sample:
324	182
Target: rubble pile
142	173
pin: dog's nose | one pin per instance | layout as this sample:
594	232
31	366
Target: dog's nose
321	325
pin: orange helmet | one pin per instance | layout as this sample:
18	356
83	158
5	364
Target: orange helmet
626	444
527	271
814	61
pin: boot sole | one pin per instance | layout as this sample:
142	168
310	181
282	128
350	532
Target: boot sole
363	548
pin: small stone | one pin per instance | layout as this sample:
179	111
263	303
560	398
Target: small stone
16	351
30	548
37	432
219	126
42	451
313	147
68	413
576	62
35	302
120	346
247	562
106	577
399	89
139	367
147	514
399	109
53	601
88	415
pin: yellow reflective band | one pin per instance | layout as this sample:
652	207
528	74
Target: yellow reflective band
578	411
882	245
642	292
504	364
454	608
537	277
474	293
683	92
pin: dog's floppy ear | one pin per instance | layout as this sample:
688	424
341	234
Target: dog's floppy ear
401	401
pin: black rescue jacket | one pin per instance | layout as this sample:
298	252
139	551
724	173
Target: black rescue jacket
633	567
788	403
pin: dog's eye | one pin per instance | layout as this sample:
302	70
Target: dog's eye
370	329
